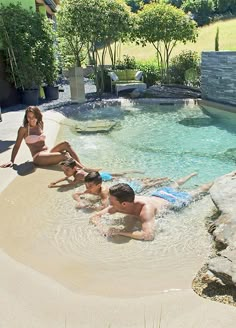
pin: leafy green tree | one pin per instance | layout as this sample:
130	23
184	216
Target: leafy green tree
217	39
27	40
176	3
97	23
225	6
202	10
163	26
72	27
136	4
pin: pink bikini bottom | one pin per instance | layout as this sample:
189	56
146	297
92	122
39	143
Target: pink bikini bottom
37	154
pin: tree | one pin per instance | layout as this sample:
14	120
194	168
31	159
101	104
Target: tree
225	6
163	26
97	23
202	10
136	4
72	25
27	40
217	39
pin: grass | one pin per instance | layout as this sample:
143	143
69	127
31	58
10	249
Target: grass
205	41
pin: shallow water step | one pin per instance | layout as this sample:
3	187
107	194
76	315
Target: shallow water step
95	126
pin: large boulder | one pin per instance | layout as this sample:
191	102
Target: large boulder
223	194
172	91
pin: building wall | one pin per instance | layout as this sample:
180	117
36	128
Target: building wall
218	76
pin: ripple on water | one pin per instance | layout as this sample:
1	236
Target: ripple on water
178	235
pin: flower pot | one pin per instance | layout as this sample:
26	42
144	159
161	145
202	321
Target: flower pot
30	97
51	92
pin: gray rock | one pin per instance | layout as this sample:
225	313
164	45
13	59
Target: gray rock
224	269
223	194
137	93
172	91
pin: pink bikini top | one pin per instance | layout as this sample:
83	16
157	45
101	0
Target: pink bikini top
33	138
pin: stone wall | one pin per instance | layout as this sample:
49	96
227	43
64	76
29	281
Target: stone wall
218	76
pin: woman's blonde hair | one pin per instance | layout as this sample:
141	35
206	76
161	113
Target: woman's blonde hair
37	113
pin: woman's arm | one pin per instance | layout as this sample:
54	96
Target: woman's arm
20	136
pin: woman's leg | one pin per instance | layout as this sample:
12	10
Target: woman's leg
181	181
57	154
44	158
65	146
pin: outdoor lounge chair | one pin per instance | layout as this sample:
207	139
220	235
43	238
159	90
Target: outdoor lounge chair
126	80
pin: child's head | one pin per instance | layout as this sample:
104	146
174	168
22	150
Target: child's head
68	166
93	180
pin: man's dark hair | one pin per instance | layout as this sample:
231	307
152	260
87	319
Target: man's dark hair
123	192
94	177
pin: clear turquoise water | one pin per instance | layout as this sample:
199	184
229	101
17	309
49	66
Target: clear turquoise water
161	140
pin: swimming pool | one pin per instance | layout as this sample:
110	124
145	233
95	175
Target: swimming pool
56	239
161	140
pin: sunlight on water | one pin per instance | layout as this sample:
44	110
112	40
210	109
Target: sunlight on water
161	140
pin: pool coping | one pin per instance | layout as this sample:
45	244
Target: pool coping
216	105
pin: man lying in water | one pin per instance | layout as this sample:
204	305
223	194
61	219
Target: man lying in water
145	208
94	186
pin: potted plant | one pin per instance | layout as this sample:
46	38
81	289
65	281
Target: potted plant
51	89
50	71
25	39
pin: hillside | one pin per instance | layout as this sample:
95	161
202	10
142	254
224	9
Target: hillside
205	41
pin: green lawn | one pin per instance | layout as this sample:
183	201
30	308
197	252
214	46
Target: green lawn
205	41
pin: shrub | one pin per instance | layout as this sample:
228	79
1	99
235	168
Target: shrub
180	64
127	63
151	71
27	40
202	10
225	6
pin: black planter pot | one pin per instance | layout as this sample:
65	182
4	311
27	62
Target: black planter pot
30	97
51	92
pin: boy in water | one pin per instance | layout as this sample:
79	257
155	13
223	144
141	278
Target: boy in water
94	186
93	183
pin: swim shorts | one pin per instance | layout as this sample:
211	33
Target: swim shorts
175	197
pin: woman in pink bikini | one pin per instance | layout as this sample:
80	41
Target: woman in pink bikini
32	132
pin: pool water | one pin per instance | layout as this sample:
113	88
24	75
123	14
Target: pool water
56	239
161	140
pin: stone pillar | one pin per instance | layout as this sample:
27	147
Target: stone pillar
76	78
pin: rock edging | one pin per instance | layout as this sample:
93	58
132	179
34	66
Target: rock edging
223	194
